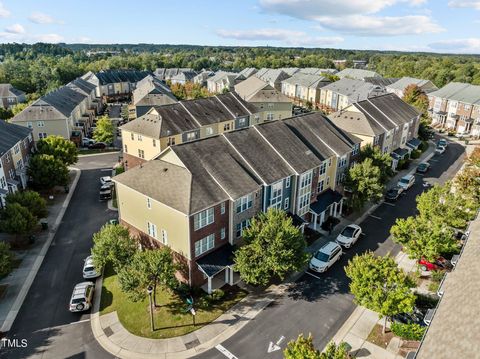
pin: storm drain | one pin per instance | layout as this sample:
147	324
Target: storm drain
108	331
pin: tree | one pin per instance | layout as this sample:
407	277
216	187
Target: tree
423	237
6	259
104	131
30	200
379	285
113	245
5	113
19	107
16	219
415	96
467	182
274	247
334	351
382	160
301	348
149	267
364	182
46	171
60	148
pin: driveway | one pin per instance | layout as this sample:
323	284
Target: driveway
44	320
321	304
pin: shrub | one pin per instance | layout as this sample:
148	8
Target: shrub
423	146
415	154
217	295
403	164
437	276
6	259
408	331
433	287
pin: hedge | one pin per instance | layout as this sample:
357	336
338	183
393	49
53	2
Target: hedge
408	331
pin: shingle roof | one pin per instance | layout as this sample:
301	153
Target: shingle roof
247	72
152	85
114	76
380	81
460	92
272	75
64	99
255	89
82	84
10	135
221	75
39	111
307	80
402	83
355	90
356	122
358	74
7	90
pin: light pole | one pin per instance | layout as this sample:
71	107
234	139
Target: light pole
150	291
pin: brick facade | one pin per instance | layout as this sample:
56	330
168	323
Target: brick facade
132	161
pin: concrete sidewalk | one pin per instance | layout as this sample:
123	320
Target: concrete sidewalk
21	278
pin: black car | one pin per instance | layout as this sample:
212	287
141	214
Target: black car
416	317
393	194
423	167
105	194
98	145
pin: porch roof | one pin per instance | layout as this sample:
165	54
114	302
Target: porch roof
296	219
414	143
3	192
324	200
400	153
216	261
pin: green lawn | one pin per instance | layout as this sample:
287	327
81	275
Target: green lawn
93	151
171	318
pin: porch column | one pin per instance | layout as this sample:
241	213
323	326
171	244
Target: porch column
227	273
230	269
341	206
209	288
315	221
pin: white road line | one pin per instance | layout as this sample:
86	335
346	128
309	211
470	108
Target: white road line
313	275
375	217
105	169
81	321
389	204
225	352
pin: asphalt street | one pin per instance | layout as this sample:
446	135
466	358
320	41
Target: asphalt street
320	304
44	320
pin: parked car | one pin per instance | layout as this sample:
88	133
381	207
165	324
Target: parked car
105	194
106	180
89	270
87	141
423	167
349	235
325	257
439	264
440	150
406	182
393	193
416	317
113	221
82	297
442	142
429	316
97	146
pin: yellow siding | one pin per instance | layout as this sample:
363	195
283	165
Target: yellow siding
170	156
133	209
52	127
146	144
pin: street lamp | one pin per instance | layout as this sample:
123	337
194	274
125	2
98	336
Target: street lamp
150	291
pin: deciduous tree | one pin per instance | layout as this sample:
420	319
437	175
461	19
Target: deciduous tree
17	220
382	160
30	200
301	348
274	247
46	171
104	131
364	182
6	259
60	148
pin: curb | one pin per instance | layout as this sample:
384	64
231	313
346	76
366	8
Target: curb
98	154
12	314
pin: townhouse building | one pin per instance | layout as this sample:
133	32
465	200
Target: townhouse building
357	73
246	73
145	137
114	85
340	94
202	77
273	77
166	74
183	77
304	88
456	107
222	81
10	96
68	111
386	122
16	144
198	197
270	103
149	92
399	86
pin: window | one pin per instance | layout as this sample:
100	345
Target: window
42	135
242	121
40	123
209	131
154	143
191	136
222	208
20	164
287	182
141	154
164	237
241	226
323	168
342	161
376	140
244	203
276	195
204	244
125	148
320	186
222	233
132	136
16	148
304	193
226	127
287	204
11	173
171	141
149	203
30	124
152	230
203	219
356	149
329	162
327	181
270	116
139	137
3	183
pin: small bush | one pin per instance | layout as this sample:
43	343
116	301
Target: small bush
415	154
433	287
6	259
403	164
437	276
423	146
408	331
217	295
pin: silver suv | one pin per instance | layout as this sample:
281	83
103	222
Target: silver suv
82	297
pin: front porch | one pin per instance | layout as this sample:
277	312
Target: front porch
328	204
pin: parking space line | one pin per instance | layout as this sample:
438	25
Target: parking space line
389	204
375	217
225	352
313	275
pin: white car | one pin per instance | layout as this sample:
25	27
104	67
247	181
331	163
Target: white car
325	257
440	150
349	235
87	141
82	297
89	270
406	182
106	180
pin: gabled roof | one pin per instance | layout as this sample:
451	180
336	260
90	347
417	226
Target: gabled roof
272	75
11	134
82	86
317	71
307	80
39	111
355	90
402	83
221	75
356	122
247	72
7	90
167	73
114	76
358	74
64	99
254	89
457	91
184	76
380	81
152	85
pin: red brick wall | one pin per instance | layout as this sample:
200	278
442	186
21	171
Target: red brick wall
133	161
7	165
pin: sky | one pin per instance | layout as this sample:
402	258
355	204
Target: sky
447	26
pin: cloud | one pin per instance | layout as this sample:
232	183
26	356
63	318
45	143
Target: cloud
469	45
41	18
362	25
83	40
465	4
15	29
3	12
51	38
290	37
